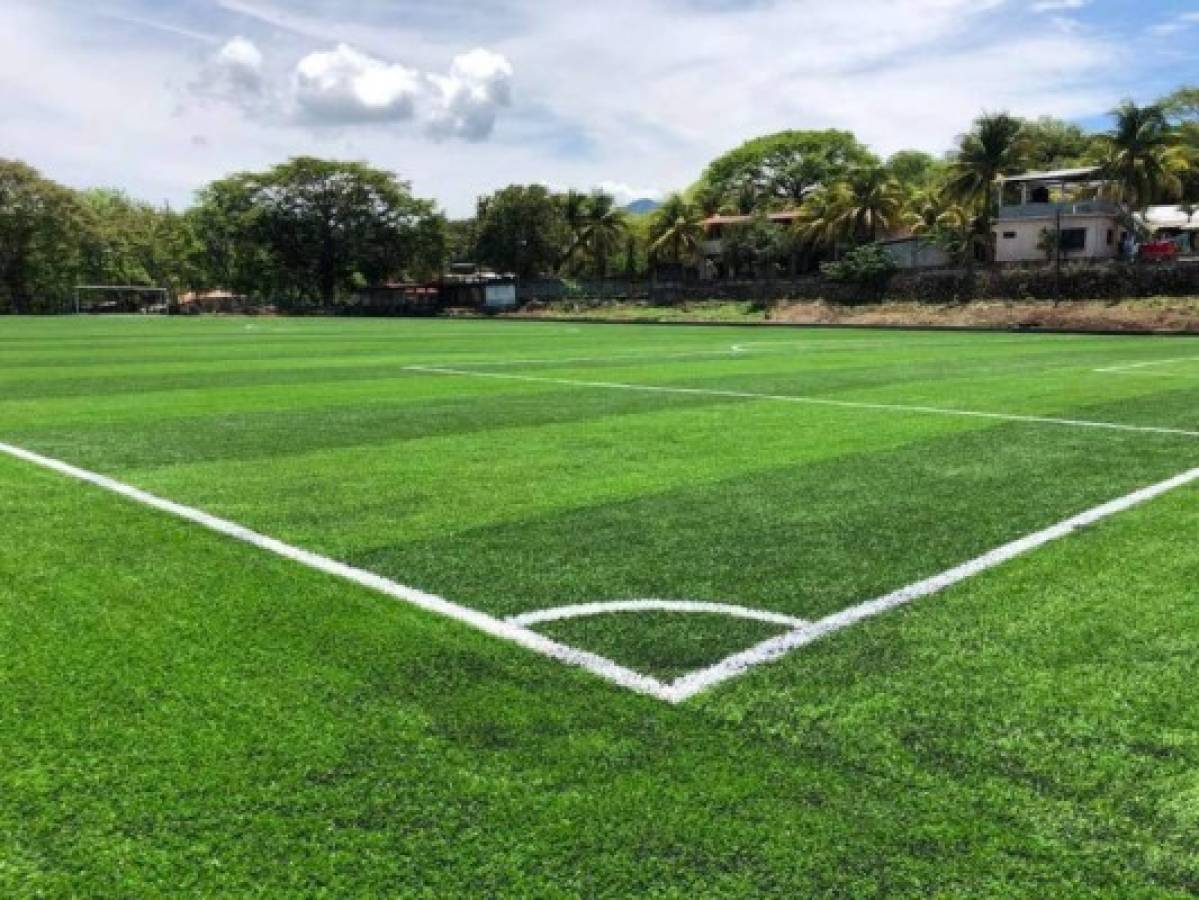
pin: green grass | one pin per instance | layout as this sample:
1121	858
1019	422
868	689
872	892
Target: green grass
183	713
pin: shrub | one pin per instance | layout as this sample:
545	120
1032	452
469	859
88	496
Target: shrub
869	267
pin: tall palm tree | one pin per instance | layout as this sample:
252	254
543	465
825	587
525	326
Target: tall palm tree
604	224
874	203
991	149
677	230
574	214
1141	155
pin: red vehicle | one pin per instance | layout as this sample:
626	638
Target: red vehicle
1159	251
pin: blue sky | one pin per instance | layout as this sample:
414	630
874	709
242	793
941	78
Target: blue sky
463	96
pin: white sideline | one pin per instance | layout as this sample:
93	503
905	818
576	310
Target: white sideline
810	401
768	651
584	610
598	665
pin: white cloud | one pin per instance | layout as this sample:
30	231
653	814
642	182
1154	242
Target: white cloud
626	193
345	86
583	103
233	74
1044	6
468	100
1176	25
241	61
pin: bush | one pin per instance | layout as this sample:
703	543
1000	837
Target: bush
868	266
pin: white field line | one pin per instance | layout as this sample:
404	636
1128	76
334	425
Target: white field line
584	610
810	401
507	631
768	651
623	357
677	691
1137	368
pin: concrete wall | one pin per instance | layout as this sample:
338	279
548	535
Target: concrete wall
1016	240
917	254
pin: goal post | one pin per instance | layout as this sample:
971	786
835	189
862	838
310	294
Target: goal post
94	299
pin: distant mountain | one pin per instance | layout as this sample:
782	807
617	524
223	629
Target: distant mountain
642	206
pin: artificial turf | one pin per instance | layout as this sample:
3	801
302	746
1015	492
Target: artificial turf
179	712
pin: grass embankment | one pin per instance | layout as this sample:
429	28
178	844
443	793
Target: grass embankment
1161	314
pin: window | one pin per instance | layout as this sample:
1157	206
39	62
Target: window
1074	239
1111	237
1009	235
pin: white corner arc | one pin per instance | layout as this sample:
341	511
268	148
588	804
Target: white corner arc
689	607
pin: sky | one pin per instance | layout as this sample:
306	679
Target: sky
461	97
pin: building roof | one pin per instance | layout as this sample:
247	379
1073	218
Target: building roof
1059	176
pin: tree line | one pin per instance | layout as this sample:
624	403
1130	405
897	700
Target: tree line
312	231
305	232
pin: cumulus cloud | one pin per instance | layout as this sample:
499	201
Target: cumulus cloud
467	101
234	74
345	86
627	193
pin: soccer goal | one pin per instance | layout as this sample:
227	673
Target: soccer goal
97	299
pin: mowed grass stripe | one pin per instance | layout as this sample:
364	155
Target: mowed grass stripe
808	539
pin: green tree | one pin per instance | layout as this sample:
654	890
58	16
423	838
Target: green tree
605	225
915	169
756	246
1182	104
461	240
131	242
676	231
42	228
310	229
782	169
992	148
821	222
573	205
1051	143
874	202
521	229
1141	155
1182	107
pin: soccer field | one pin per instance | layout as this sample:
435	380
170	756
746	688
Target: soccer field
450	607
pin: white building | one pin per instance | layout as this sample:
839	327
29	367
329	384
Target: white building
1051	209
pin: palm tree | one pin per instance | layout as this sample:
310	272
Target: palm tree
948	225
604	224
875	202
677	230
822	218
1141	155
991	149
574	214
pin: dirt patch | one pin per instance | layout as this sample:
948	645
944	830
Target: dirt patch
1164	314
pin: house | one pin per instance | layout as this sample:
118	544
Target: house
715	228
1041	210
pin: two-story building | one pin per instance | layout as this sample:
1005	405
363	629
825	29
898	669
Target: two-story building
1041	210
